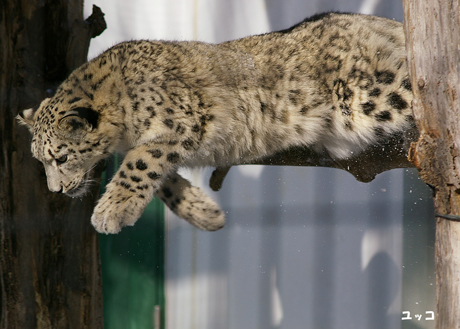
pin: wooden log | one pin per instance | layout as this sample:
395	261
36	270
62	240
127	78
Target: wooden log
433	44
50	273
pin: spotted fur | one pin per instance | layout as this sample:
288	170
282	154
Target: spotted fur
336	82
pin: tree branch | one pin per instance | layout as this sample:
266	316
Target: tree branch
364	167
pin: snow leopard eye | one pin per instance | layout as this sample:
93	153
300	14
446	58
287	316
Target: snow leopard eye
61	159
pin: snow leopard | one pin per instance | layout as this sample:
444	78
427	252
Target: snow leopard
336	82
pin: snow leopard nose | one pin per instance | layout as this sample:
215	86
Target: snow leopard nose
53	179
55	189
55	186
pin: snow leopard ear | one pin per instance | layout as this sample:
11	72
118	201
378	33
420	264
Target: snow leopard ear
26	118
79	121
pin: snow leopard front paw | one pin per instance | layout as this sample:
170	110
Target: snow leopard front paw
111	214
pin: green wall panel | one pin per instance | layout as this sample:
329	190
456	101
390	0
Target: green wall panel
133	270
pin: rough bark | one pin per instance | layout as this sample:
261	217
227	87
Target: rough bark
49	256
433	43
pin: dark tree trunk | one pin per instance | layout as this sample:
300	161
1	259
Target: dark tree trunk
433	48
49	256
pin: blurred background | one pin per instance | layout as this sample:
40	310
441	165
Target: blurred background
303	247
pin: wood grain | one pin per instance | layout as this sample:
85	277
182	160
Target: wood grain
433	45
50	273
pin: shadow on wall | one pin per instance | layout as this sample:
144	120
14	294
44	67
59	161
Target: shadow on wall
381	275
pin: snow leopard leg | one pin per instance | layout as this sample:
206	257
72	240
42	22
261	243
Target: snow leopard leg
191	203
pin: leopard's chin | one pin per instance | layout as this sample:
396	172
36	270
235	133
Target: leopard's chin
78	191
